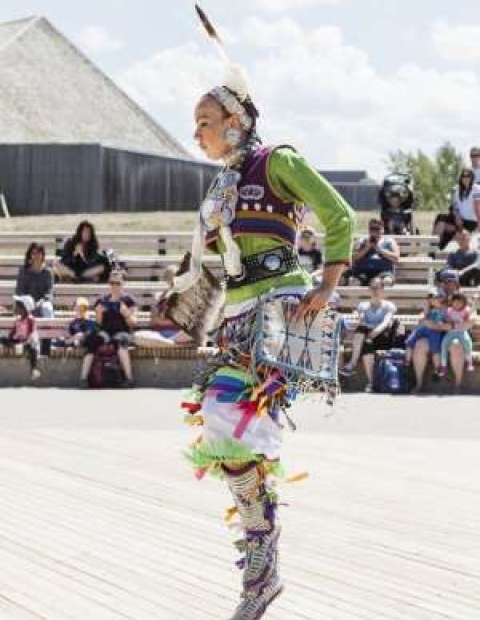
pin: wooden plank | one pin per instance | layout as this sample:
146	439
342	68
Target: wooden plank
110	524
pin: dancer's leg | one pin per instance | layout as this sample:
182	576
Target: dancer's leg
257	508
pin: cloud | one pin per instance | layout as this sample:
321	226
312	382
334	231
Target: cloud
457	42
279	6
97	40
319	93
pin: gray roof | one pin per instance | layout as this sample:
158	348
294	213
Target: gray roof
50	92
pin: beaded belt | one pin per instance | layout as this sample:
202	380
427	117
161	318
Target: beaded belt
268	264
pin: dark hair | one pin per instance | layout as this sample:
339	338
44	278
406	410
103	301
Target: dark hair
92	245
33	247
460	297
462	192
375	223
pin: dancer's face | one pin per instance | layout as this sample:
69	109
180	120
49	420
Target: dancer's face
211	124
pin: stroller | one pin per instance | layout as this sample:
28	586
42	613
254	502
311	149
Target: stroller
396	203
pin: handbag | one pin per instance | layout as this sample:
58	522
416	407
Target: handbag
306	348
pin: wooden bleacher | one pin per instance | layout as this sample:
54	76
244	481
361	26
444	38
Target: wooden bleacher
146	255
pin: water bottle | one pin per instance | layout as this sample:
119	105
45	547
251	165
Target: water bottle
393	378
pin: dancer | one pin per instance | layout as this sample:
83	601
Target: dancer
251	217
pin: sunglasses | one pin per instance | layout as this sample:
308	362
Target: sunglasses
115	283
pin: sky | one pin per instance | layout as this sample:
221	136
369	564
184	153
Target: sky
343	81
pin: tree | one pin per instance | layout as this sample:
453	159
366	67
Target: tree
433	178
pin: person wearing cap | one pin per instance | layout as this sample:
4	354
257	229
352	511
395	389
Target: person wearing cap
475	161
308	253
24	332
251	217
432	325
375	256
466	260
448	284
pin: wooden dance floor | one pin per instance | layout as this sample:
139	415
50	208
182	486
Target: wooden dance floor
100	519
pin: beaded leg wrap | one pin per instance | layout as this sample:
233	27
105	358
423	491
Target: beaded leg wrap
261	583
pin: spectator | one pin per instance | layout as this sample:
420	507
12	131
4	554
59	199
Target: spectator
374	257
466	202
375	331
116	318
35	279
459	315
475	161
82	325
24	333
81	258
464	211
422	350
309	255
448	282
431	327
465	261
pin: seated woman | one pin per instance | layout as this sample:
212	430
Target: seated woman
456	350
465	210
35	279
375	331
81	259
430	327
116	318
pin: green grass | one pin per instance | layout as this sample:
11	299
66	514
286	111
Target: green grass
158	221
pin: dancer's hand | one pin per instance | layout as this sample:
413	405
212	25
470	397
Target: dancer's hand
314	300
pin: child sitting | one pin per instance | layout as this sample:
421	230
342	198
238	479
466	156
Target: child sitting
436	312
458	313
24	332
81	324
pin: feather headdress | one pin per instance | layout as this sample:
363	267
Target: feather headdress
235	79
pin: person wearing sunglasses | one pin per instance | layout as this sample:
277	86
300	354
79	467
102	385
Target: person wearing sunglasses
374	257
116	317
466	202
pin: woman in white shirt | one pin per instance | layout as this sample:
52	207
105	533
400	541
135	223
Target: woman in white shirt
375	332
466	202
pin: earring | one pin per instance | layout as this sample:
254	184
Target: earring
233	136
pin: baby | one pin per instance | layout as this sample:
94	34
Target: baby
436	312
458	313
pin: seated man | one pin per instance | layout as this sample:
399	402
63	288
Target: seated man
374	257
465	261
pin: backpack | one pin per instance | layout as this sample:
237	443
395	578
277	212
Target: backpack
390	375
106	371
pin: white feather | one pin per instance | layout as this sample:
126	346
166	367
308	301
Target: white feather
236	80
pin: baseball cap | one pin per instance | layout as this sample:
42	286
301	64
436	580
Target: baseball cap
475	151
448	275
